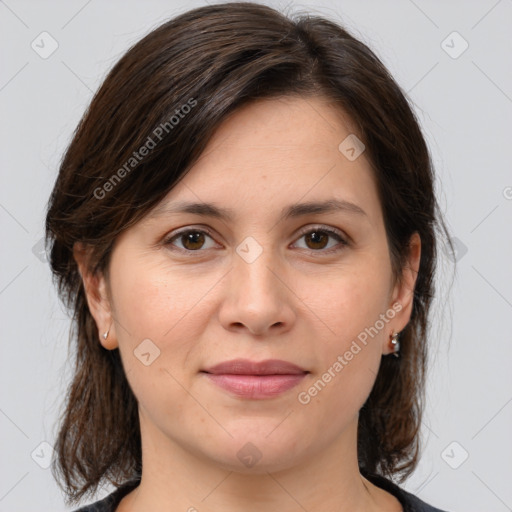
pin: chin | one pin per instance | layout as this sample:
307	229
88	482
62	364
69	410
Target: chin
257	453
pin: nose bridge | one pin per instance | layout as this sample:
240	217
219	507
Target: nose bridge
252	266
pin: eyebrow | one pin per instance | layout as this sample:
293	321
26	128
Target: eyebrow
227	214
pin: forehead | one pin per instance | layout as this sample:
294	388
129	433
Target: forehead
275	152
285	123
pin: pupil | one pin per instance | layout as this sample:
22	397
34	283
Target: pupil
317	235
191	238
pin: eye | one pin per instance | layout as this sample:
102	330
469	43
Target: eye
317	239
191	239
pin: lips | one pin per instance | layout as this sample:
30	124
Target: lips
255	380
247	367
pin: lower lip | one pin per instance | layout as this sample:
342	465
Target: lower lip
256	386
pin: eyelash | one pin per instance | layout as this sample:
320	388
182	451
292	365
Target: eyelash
330	231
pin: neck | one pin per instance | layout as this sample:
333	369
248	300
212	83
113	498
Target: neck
174	478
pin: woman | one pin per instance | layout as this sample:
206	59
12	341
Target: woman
244	226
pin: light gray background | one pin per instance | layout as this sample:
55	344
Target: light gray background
465	107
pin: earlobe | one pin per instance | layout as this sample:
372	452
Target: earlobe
109	343
95	288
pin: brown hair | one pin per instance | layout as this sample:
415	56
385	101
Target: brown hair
215	59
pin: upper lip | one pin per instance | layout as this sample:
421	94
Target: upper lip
248	367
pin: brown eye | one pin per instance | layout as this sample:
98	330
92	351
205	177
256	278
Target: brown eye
317	239
191	240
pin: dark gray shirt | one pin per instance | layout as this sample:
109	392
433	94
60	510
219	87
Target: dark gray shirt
409	502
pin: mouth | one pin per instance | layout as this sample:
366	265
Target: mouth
248	367
256	380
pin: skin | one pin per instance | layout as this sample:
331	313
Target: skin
296	302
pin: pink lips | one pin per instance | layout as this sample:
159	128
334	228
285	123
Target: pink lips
251	379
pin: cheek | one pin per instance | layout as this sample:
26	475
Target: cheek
154	302
154	310
351	311
347	301
161	315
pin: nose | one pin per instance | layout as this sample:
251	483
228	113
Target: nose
257	297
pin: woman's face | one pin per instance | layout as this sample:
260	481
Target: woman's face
270	280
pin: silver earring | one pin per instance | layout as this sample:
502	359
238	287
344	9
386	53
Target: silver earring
396	344
105	334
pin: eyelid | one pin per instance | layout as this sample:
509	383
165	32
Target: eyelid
321	227
344	239
180	231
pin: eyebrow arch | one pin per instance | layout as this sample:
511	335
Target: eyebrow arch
227	214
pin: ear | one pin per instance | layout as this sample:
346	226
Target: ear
403	291
95	287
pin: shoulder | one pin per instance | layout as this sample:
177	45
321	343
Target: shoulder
110	502
409	501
